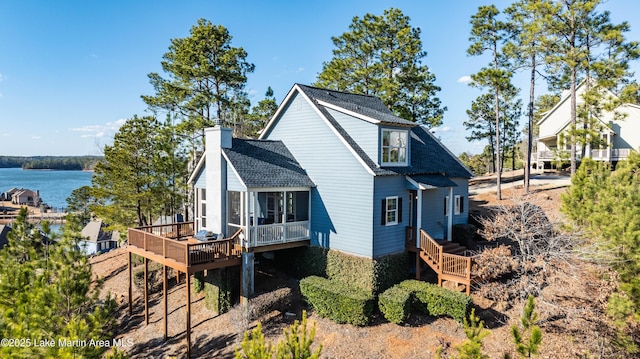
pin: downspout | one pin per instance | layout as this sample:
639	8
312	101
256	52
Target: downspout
419	217
450	217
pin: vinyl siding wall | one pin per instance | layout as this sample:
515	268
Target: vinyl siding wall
389	239
341	204
366	134
434	220
201	180
233	182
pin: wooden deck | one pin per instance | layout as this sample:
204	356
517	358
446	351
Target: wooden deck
173	245
445	258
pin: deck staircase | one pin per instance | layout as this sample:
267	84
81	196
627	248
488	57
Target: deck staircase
448	261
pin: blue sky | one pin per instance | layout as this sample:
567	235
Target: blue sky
71	72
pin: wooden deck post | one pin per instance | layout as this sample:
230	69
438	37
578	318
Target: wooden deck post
146	294
130	286
164	296
418	265
247	280
188	308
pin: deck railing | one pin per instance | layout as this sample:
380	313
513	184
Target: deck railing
263	235
173	230
181	251
448	266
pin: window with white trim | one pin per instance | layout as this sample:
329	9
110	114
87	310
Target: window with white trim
391	211
394	149
459	205
203	208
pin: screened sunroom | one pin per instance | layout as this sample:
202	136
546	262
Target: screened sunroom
269	217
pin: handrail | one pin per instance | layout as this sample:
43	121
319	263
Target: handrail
181	251
431	248
451	265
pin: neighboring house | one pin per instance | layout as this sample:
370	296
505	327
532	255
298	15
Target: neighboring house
619	131
26	197
6	196
97	239
331	169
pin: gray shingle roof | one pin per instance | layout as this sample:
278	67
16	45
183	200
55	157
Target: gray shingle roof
266	163
428	155
434	180
369	106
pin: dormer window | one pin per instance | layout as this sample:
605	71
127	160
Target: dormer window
394	147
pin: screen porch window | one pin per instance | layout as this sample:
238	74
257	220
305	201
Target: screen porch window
203	208
394	147
235	208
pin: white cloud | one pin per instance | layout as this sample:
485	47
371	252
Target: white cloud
99	131
6	134
300	69
464	79
36	137
440	129
2	77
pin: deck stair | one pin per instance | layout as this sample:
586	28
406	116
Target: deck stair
448	261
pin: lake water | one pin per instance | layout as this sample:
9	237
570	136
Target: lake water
54	186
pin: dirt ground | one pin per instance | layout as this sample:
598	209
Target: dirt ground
218	336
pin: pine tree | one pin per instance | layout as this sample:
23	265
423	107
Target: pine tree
583	43
204	75
382	56
47	295
528	342
488	34
475	332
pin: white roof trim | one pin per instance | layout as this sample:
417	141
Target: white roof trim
297	89
348	112
198	168
346	144
278	111
421	186
278	189
235	172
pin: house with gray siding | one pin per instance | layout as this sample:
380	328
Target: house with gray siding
331	169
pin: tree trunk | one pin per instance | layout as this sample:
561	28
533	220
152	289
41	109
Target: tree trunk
573	121
527	163
498	164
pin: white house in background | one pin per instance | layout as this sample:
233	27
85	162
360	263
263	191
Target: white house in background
97	240
26	197
620	132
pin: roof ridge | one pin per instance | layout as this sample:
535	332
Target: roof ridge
337	91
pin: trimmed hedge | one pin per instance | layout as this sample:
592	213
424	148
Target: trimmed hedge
337	301
372	275
433	300
395	304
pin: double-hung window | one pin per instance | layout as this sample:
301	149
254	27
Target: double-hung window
394	147
459	205
391	211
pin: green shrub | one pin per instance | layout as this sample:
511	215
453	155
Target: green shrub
357	271
395	304
433	300
337	301
219	287
198	282
389	270
373	275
